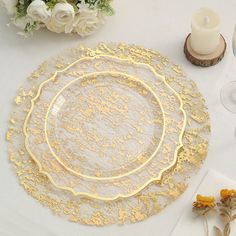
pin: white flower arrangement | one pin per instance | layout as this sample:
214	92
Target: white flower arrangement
83	17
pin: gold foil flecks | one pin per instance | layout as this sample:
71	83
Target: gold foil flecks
157	195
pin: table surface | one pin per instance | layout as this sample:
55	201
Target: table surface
158	24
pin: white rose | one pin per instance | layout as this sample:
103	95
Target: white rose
87	21
10	6
62	18
38	11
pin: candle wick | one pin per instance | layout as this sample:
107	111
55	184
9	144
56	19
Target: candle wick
206	20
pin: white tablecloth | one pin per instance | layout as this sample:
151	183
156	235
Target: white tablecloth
191	224
158	24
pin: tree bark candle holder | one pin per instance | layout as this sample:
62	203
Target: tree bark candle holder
205	60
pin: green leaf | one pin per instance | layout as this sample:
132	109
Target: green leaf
51	3
104	5
75	7
21	8
30	27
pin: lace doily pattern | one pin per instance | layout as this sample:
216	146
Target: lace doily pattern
150	199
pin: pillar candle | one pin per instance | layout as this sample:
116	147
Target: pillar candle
205	33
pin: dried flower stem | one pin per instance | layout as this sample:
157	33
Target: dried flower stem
202	206
227	208
206	224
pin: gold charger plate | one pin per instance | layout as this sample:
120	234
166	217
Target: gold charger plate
146	165
156	195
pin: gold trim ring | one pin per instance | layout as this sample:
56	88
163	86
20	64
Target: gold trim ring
158	178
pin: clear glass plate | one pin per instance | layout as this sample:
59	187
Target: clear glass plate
105	125
82	169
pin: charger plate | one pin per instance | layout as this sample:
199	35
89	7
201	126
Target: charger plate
157	194
112	150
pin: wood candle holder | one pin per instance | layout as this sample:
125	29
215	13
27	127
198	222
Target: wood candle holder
205	60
